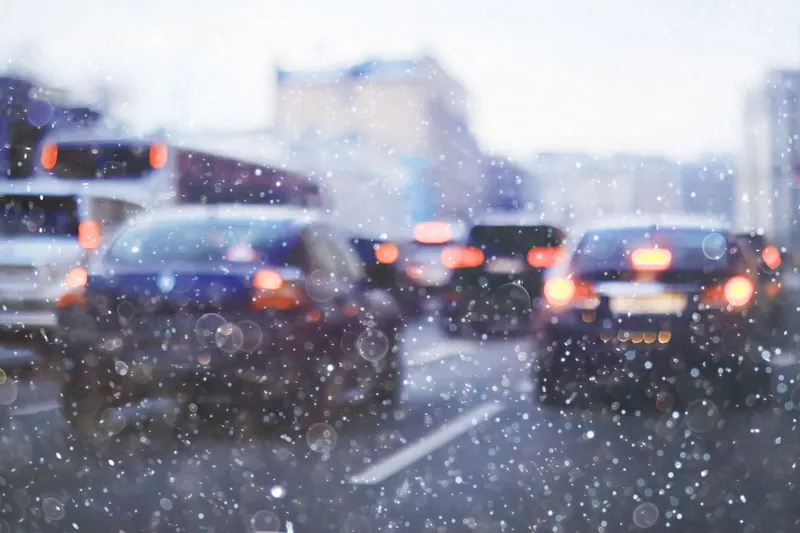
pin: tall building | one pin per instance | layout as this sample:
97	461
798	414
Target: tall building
707	186
507	184
412	108
766	190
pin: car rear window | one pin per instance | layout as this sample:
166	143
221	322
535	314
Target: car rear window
691	249
37	215
514	240
205	241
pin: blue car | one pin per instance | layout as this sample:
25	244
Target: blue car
653	305
241	306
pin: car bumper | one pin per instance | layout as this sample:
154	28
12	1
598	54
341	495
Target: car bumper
646	347
202	375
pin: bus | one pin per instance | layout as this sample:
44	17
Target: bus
194	170
85	186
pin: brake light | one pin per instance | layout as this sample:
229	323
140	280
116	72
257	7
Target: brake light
655	259
271	291
77	278
49	156
433	233
76	281
454	257
158	155
267	280
737	292
89	234
771	257
386	253
559	292
544	257
564	292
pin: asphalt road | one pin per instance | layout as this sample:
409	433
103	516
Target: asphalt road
467	451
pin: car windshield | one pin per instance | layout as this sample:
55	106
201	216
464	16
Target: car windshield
200	241
690	249
514	240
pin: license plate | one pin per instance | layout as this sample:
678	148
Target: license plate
505	266
664	304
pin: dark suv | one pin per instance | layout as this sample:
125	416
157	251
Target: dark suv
498	274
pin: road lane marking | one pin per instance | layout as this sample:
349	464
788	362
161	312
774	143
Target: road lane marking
404	458
443	351
35	409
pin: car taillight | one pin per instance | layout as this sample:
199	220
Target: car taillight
271	291
386	253
564	292
89	234
454	257
651	260
771	257
737	292
76	281
433	233
544	257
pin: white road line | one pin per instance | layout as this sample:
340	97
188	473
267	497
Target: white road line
444	351
426	445
783	360
35	409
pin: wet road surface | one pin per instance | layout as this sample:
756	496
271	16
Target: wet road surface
466	451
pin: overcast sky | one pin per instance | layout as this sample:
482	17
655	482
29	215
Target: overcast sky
665	76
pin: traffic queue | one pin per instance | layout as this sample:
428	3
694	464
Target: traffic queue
266	303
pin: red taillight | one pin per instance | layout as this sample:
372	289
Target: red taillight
76	281
158	155
454	257
267	280
771	257
651	260
386	253
564	292
433	233
544	257
49	156
559	291
737	292
271	291
89	234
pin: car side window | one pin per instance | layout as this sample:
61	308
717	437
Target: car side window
320	254
348	262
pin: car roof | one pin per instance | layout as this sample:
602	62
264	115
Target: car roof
234	212
666	221
521	219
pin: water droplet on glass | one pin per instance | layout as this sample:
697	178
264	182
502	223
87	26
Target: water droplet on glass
372	345
321	437
265	522
229	338
645	515
53	509
511	300
207	326
321	286
121	368
702	415
252	335
126	310
715	246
